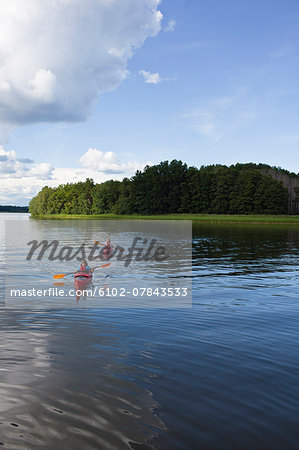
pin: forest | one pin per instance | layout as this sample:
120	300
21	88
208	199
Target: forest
173	187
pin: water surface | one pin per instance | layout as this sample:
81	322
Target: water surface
222	374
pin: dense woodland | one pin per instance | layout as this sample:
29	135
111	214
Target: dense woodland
173	187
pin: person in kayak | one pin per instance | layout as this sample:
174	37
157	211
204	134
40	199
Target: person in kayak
107	251
84	267
83	279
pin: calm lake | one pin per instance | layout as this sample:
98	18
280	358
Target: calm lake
222	374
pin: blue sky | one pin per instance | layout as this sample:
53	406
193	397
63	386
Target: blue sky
227	91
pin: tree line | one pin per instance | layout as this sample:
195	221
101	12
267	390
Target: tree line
10	208
173	187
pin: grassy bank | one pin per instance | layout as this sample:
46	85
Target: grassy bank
206	218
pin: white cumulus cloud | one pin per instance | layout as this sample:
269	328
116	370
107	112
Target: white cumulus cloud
150	78
58	56
21	179
12	167
107	162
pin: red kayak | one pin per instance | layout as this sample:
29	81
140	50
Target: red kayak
82	280
107	251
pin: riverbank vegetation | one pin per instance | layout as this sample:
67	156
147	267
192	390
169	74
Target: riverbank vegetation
196	218
175	188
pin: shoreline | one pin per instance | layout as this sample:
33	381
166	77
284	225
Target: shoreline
198	218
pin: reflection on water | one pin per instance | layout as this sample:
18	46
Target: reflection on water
243	263
222	374
66	376
3	218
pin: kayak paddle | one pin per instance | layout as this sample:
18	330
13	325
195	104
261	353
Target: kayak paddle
98	243
103	265
62	275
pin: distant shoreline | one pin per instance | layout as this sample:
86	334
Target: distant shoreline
13	209
204	218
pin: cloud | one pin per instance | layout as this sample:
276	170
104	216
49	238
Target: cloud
26	160
22	179
19	191
170	26
222	117
150	78
107	162
12	167
58	56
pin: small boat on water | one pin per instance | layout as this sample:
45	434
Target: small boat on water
82	280
107	250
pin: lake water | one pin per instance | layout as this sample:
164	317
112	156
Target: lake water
220	375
